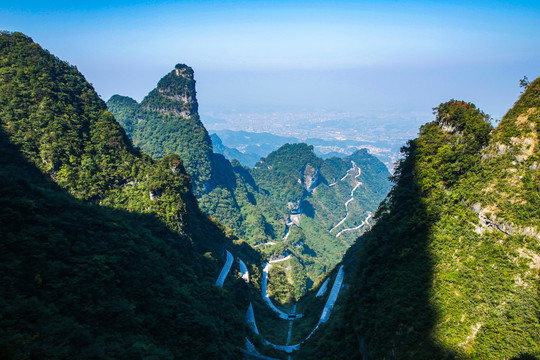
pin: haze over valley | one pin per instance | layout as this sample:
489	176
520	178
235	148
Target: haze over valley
332	133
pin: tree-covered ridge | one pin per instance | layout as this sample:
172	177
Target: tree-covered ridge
508	195
87	281
450	270
166	122
284	172
64	128
257	205
124	109
511	125
465	117
59	121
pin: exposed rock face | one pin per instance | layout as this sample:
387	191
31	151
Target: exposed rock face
184	71
311	178
296	211
296	218
488	222
154	195
295	207
447	126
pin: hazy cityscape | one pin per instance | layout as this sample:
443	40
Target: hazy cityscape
332	133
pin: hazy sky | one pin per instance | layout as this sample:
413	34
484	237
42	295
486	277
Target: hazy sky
345	55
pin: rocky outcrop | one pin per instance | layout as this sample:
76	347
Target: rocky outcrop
295	207
296	212
311	178
175	94
488	222
448	126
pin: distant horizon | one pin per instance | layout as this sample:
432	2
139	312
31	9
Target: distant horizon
343	56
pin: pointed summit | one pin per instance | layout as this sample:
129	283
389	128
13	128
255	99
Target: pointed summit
175	94
166	122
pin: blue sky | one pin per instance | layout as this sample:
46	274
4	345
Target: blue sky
343	56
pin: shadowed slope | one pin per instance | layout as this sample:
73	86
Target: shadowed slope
450	270
86	281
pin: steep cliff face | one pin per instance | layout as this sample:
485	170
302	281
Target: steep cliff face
451	269
79	280
311	178
166	122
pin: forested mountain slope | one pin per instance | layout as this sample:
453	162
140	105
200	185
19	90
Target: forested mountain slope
132	278
323	203
451	268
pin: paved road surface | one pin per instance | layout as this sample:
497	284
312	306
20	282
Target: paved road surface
280	260
333	296
265	296
324	316
243	270
225	270
323	288
250	316
352	195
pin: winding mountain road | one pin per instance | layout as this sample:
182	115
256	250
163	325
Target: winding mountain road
332	297
365	222
358	183
323	288
243	270
266	243
324	315
250	316
225	270
266	298
280	260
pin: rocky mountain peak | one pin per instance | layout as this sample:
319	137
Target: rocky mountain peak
167	121
184	71
175	94
457	116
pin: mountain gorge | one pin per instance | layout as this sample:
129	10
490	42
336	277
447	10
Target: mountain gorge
105	251
291	205
123	235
